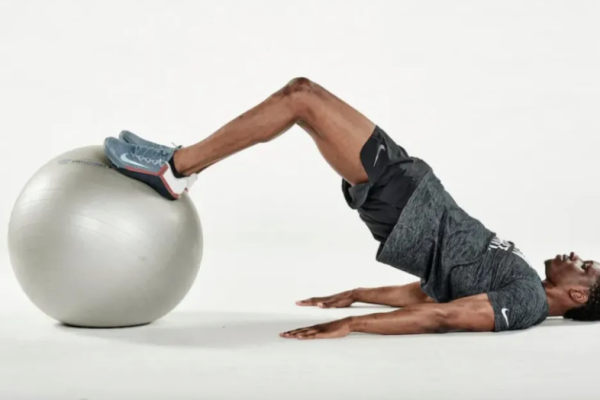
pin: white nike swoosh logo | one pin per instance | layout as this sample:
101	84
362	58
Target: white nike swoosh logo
126	159
505	315
381	147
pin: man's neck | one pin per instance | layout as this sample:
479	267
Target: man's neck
555	306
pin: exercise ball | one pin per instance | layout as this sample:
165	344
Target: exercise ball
93	248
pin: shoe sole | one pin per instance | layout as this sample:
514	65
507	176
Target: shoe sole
163	178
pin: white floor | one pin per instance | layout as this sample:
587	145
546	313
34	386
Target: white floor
494	95
214	348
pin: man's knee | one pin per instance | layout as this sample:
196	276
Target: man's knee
298	86
302	94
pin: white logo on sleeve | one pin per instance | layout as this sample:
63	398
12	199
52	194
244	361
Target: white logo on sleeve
505	315
379	149
504	245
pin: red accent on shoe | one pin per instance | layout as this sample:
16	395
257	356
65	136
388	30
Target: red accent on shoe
160	174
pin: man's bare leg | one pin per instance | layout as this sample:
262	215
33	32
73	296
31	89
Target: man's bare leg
339	130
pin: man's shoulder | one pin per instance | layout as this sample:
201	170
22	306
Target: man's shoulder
520	304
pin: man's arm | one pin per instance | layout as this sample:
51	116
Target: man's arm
473	314
393	296
468	314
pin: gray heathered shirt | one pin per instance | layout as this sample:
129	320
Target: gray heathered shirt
456	256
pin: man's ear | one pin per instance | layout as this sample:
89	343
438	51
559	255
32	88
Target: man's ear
579	294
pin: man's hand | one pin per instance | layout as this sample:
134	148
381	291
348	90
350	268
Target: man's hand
340	300
330	330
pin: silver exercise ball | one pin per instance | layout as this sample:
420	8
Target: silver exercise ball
93	248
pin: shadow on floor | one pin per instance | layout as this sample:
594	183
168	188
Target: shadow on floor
204	329
560	321
230	330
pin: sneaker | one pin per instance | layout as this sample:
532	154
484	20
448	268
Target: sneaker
132	138
150	165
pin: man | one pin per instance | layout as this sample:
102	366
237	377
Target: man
470	280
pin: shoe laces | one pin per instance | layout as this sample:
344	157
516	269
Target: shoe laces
150	155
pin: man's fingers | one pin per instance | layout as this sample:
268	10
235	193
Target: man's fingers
307	333
336	300
298	331
295	335
295	331
314	332
313	301
335	303
317	335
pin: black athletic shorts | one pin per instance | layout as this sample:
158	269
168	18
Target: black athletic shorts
393	178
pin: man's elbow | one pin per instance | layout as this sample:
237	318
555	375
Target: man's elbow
450	319
440	321
458	319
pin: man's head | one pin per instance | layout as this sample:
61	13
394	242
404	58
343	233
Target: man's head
576	285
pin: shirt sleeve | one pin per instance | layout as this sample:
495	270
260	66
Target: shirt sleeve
519	305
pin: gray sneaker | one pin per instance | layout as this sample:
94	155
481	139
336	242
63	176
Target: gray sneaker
132	138
150	165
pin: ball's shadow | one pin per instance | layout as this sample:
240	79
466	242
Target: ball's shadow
204	329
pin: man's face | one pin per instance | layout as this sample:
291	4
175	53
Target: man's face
572	270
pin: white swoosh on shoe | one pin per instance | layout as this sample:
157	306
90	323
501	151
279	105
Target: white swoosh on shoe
126	159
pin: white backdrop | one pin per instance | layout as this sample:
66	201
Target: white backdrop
500	97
